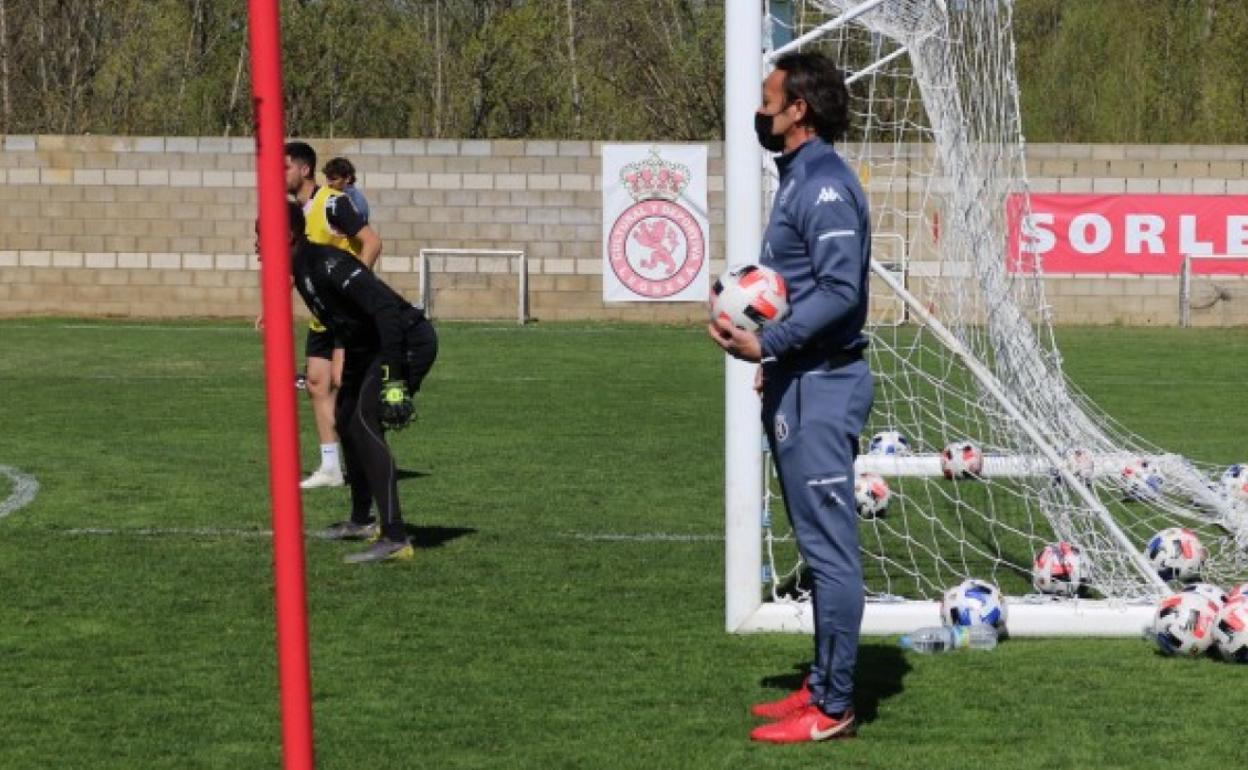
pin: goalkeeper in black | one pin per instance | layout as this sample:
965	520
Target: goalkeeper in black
390	346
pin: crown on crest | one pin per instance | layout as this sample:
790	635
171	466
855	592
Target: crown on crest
655	178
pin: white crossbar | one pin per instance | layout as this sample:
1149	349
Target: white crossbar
1185	281
1042	617
522	269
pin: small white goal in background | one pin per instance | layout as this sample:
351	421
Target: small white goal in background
521	268
1185	282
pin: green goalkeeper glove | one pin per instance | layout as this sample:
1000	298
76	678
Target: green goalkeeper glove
396	403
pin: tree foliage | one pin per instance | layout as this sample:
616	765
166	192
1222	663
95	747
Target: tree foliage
1105	71
454	68
1151	71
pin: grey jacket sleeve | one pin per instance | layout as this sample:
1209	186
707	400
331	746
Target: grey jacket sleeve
831	227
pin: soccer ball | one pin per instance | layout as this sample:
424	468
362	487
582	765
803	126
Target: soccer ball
750	297
1080	464
1141	481
1183	624
1209	591
872	495
1058	569
1235	482
1176	554
973	602
1230	632
888	442
1237	594
961	460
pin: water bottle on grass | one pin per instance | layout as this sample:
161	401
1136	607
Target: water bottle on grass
935	639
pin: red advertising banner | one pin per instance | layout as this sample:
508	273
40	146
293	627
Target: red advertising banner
1131	234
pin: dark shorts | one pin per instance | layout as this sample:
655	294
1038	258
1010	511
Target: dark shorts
420	350
319	345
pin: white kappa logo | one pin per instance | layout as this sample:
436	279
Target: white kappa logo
828	195
782	427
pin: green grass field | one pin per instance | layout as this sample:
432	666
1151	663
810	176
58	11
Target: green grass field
136	627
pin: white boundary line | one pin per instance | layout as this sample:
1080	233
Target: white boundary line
248	534
174	532
645	537
466	326
242	327
25	487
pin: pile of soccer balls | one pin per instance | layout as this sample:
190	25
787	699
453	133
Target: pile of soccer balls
1201	617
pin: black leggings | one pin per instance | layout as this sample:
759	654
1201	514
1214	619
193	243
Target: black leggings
357	415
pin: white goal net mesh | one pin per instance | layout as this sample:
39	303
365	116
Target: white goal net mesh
937	141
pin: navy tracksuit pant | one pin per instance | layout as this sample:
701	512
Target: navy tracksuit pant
813	419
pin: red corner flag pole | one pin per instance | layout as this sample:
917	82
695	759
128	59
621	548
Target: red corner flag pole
279	364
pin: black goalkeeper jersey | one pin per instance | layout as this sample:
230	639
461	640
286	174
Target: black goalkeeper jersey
364	314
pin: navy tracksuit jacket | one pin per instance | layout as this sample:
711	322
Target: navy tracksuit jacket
817	391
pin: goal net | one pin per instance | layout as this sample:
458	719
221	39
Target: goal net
963	352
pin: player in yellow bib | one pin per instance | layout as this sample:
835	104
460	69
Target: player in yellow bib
331	220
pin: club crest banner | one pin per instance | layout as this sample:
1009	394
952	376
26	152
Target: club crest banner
655	231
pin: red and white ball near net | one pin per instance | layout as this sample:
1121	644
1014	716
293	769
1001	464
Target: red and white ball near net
749	297
961	460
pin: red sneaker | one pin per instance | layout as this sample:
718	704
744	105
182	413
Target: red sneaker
786	706
809	724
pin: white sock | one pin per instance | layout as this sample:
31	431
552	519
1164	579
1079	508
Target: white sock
329	458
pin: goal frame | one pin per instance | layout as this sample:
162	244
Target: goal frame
745	610
1185	280
425	275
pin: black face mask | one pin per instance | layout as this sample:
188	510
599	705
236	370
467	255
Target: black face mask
762	126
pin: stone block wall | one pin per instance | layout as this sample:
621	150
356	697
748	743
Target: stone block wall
163	226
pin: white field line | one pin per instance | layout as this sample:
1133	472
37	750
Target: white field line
249	534
106	377
141	327
469	327
644	537
25	487
205	532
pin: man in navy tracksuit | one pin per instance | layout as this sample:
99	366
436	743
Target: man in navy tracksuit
815	385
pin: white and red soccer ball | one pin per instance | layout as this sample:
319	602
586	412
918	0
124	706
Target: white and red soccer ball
1209	591
973	602
749	297
1183	623
961	460
889	442
872	495
1230	632
1080	463
1176	553
1058	569
1234	482
1238	593
1141	481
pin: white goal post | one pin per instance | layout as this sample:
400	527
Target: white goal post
936	140
1185	281
522	272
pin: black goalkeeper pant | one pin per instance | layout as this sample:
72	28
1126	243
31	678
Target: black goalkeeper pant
357	415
